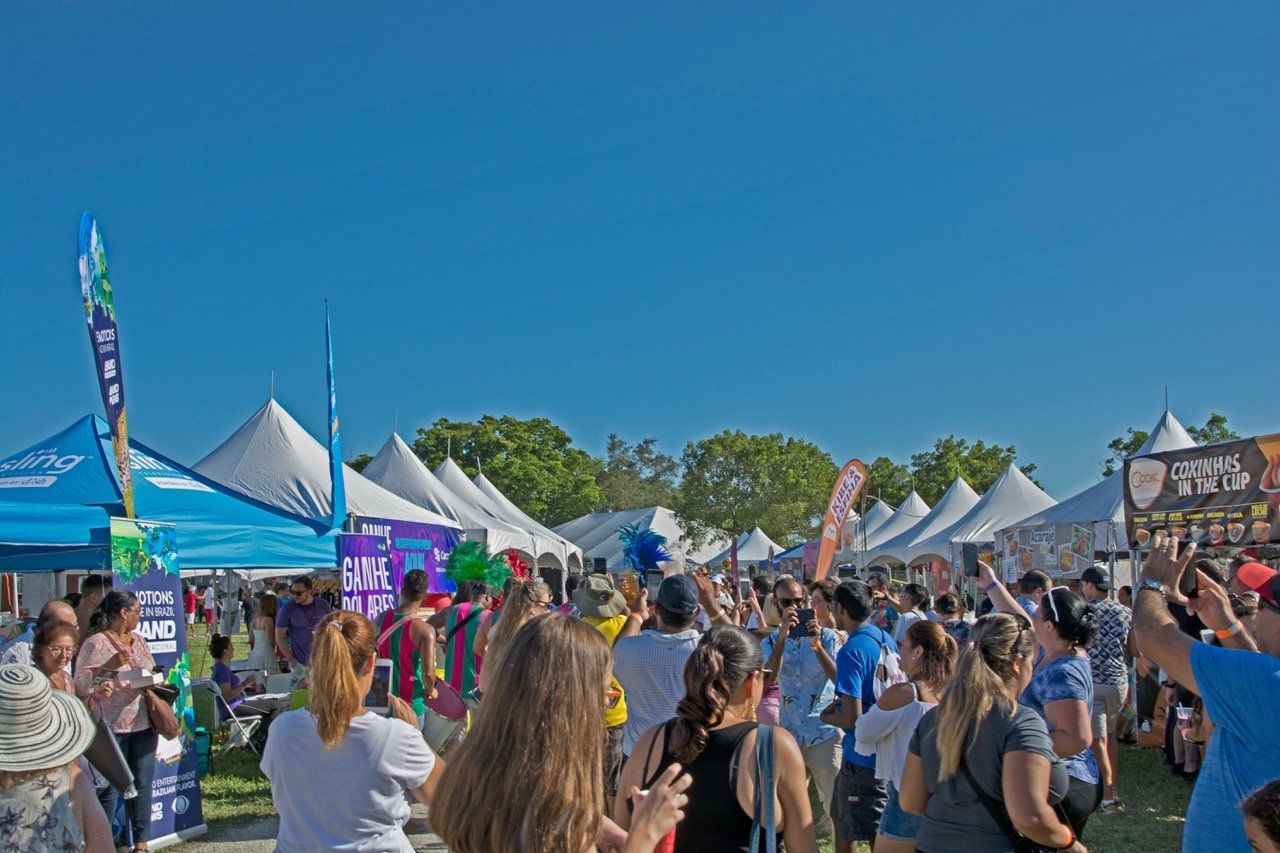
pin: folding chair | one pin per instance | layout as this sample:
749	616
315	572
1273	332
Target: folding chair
239	731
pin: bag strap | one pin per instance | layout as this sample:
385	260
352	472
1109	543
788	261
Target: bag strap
994	808
460	625
763	817
382	638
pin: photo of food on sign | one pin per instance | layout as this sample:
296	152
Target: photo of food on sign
1225	494
1051	548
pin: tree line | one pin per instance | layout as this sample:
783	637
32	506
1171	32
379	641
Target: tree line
720	485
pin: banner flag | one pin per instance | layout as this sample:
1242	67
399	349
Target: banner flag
144	561
100	313
733	560
368	585
339	488
1217	495
851	480
413	545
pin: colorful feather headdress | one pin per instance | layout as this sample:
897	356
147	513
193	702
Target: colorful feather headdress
642	548
470	561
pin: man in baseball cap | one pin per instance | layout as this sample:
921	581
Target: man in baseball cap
1264	581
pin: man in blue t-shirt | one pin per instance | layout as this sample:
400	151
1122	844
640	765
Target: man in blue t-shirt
1240	685
859	798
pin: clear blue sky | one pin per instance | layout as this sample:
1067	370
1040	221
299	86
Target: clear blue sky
863	226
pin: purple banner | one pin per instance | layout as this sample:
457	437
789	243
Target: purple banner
367	583
100	314
413	545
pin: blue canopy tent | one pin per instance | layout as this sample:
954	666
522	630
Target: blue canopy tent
59	493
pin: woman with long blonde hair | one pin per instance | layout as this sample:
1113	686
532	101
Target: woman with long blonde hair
338	773
526	598
981	768
529	776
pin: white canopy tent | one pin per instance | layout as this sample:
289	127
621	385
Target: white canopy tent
549	550
398	470
905	547
911	513
572	553
597	533
859	530
1010	498
1102	504
273	459
753	547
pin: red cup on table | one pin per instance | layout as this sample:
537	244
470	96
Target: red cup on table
668	842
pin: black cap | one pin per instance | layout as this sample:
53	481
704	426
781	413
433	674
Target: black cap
678	595
1094	576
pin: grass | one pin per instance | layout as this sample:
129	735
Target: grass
1155	805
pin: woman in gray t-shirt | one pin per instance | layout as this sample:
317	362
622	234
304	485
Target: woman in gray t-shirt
978	725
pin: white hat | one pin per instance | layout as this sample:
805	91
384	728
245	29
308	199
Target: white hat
43	728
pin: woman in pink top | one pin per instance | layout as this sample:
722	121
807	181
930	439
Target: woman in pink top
115	646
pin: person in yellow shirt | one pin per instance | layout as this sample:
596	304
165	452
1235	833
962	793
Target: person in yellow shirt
603	607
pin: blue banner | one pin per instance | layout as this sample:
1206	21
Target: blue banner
144	561
100	313
335	440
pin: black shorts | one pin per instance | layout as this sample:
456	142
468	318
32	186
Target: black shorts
857	803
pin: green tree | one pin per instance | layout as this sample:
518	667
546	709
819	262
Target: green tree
533	462
981	464
1215	429
888	481
637	475
360	462
734	481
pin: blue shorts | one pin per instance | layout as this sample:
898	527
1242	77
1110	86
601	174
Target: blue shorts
895	824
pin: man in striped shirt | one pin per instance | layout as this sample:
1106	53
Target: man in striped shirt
410	644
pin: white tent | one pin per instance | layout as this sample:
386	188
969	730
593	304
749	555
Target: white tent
958	499
911	513
572	553
1010	498
859	530
273	459
398	470
597	533
549	550
1102	504
753	547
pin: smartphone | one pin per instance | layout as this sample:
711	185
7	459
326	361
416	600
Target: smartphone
805	615
744	589
1188	584
969	555
378	700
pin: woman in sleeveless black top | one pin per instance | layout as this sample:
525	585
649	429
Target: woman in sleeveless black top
713	737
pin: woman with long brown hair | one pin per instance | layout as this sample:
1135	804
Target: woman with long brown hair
262	636
981	768
529	776
338	773
713	736
928	657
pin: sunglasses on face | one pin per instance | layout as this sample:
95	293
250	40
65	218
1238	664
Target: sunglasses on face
790	602
299	591
612	696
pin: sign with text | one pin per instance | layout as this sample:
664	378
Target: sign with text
368	586
851	480
1225	494
144	561
1059	550
413	545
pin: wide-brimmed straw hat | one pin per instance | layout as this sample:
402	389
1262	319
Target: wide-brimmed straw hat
43	728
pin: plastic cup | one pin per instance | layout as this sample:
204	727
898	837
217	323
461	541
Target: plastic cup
668	842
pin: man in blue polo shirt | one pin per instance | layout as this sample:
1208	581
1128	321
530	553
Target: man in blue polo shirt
859	798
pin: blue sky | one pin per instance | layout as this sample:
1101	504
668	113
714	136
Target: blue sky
865	227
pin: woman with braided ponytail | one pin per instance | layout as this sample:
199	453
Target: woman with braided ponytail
981	768
713	737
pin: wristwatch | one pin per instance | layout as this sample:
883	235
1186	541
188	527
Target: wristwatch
1153	584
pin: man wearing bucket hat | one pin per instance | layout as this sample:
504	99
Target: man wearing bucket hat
45	802
1240	688
604	608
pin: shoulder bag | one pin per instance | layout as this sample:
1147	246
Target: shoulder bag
763	818
1020	843
159	702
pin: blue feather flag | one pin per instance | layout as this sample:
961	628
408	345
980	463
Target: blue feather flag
642	548
339	488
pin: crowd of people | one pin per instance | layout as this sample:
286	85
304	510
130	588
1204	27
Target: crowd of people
695	716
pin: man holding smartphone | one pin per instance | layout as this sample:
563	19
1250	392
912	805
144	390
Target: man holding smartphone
800	657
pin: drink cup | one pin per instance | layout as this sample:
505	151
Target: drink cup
1261	532
668	842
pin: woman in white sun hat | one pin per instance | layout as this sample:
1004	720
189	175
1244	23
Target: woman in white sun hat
46	803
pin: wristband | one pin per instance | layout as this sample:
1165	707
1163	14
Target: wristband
1228	632
1071	839
991	586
